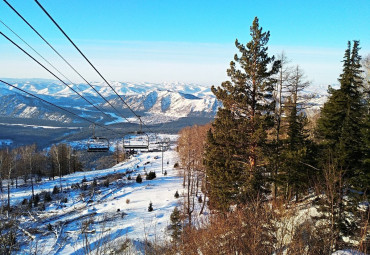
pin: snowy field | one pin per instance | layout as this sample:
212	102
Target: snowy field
96	217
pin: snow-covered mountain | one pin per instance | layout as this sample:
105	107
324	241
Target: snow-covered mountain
19	106
170	103
156	102
58	89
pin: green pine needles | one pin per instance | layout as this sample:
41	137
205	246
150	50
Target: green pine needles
235	153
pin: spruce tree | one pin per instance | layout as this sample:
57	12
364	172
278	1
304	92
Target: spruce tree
341	129
235	149
342	116
365	176
175	226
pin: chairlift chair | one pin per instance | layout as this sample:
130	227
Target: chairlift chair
97	144
138	140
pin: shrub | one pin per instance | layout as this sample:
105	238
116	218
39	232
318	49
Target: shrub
56	190
95	183
176	165
75	186
150	208
36	200
42	207
106	182
64	200
30	202
84	179
25	201
165	172
129	177
47	197
139	179
50	227
200	199
177	194
151	175
127	201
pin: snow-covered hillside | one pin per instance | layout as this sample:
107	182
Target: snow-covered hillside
171	104
104	213
20	106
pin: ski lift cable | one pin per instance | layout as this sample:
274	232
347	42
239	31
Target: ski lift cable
25	52
83	55
61	108
63	58
34	50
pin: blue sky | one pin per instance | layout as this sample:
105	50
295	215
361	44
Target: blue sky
186	41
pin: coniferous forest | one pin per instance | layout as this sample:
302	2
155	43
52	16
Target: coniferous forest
264	160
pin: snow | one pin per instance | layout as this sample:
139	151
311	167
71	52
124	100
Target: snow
51	87
347	252
111	216
37	126
118	119
173	100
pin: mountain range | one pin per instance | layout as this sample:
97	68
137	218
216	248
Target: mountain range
156	102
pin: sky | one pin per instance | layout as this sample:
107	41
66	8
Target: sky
181	41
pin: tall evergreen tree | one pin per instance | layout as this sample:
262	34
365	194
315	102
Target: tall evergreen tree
366	124
235	150
340	127
342	115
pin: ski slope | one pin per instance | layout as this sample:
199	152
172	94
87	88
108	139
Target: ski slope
105	214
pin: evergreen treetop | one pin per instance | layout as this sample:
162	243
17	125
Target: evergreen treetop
341	116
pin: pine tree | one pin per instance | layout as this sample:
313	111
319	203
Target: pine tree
235	149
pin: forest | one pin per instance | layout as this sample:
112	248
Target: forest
265	160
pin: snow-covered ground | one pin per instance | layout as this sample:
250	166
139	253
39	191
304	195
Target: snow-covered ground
116	212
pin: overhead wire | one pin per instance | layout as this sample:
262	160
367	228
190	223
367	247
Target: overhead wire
83	55
60	55
38	62
34	50
59	107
